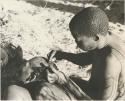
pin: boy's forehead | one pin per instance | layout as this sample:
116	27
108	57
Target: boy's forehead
79	33
82	36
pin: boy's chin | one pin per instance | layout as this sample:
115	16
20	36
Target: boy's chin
87	49
101	47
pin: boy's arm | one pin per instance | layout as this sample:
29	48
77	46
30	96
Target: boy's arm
112	73
79	59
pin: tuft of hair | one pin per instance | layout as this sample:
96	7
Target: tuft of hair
90	21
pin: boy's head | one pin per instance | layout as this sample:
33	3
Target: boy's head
89	28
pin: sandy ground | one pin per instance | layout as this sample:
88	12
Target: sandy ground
39	27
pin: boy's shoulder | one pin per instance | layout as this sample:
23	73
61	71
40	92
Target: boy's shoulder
107	54
102	53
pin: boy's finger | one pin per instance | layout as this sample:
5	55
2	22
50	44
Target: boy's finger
54	70
50	75
53	67
51	55
48	72
38	62
44	62
51	81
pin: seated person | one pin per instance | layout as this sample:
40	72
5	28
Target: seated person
104	50
11	58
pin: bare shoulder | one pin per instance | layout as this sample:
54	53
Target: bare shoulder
112	58
15	92
16	88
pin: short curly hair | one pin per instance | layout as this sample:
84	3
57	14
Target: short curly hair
90	21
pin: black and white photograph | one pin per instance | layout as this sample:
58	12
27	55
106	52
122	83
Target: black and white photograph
64	50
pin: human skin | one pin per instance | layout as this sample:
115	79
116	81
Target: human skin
108	61
15	92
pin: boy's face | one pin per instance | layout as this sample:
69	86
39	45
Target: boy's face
86	43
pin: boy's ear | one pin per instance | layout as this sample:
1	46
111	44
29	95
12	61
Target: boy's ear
96	37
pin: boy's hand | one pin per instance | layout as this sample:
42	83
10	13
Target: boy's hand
56	76
54	55
52	75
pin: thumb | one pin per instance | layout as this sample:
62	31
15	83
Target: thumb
53	67
51	55
48	73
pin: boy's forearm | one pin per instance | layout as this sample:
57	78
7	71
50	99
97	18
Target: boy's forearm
79	59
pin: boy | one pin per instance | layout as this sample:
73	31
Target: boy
105	51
